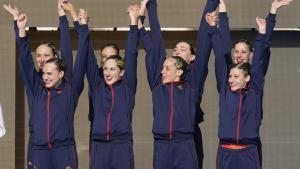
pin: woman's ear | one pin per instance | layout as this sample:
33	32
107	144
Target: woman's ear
179	72
247	79
122	72
61	74
192	58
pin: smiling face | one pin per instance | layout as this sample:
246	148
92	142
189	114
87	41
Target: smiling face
237	79
43	54
170	73
106	52
183	49
242	53
51	75
111	71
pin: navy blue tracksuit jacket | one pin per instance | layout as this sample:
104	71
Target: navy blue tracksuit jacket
241	111
113	104
174	103
66	56
203	47
53	109
226	37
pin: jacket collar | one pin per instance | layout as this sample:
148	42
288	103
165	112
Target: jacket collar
176	83
57	88
117	83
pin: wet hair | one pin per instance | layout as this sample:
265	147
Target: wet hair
52	47
245	67
120	61
180	63
60	66
111	45
245	41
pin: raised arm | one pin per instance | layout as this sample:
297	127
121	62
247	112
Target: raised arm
65	41
68	7
221	68
28	72
131	50
200	69
156	33
154	60
260	46
92	70
225	31
15	13
221	63
271	18
210	6
270	24
81	58
265	56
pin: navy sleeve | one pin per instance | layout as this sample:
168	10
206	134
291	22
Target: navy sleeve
221	68
92	70
210	6
91	48
226	36
76	27
27	69
90	52
91	108
270	24
154	60
66	46
142	18
131	53
156	34
16	30
257	71
80	63
200	69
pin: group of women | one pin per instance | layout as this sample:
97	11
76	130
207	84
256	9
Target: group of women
176	83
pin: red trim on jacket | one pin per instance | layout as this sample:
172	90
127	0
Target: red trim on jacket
239	118
48	118
172	111
109	113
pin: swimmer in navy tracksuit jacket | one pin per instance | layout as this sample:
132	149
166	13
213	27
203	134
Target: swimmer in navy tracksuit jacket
244	45
113	100
53	129
270	22
178	51
174	99
66	56
107	50
240	87
240	108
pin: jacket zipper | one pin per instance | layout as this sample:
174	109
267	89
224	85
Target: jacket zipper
239	118
48	119
171	112
109	113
